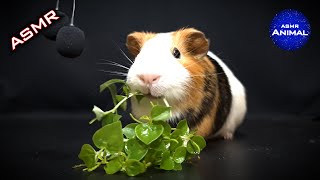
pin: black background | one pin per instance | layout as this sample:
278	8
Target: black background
36	78
37	83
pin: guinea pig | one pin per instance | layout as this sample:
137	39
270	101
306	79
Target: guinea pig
197	84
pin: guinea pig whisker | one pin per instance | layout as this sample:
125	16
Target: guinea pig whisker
124	54
205	75
115	64
114	73
118	91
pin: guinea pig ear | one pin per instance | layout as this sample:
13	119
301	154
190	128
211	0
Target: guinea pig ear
195	42
136	40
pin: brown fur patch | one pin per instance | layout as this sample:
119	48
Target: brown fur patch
191	42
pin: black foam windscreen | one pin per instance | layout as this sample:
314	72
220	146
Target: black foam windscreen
70	41
52	31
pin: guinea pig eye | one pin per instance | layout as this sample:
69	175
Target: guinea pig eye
176	53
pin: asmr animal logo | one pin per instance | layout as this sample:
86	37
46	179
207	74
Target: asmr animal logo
290	30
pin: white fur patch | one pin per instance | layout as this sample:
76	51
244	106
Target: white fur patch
238	104
156	57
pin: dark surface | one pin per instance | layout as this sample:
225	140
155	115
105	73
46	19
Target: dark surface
262	149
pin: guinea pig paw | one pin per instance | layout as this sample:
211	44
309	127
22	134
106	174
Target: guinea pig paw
227	135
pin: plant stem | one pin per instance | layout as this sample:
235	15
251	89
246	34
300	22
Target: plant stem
135	119
151	103
165	102
148	164
79	165
92	120
94	167
114	109
122	101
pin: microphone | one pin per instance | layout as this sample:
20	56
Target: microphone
52	31
70	39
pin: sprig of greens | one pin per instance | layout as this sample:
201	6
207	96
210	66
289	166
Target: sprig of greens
149	142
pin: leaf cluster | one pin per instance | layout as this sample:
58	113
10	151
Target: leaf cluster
148	142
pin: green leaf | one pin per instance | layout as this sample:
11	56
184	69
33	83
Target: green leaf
177	167
98	112
134	167
183	126
158	145
200	141
135	149
88	155
153	156
160	113
113	166
139	97
193	132
176	134
124	104
193	147
110	118
109	137
180	154
128	131
126	89
189	156
148	133
174	145
166	126
113	91
167	162
108	83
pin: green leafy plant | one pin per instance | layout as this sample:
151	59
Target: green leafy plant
149	142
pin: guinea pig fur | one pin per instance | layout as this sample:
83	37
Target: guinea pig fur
197	84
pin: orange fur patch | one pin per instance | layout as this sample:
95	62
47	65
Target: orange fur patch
205	128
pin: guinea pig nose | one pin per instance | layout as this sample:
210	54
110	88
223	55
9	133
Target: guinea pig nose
149	78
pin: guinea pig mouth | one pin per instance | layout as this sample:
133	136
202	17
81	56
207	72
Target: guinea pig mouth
151	97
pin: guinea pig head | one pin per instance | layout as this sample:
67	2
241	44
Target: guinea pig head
164	63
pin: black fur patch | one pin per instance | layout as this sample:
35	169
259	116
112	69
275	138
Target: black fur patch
225	97
194	118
